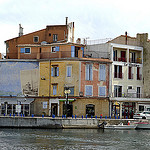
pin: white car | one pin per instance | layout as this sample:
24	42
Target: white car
142	115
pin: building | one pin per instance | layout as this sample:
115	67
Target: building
51	34
127	92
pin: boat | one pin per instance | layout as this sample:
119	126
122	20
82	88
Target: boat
143	125
120	126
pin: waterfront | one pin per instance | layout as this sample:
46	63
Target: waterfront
73	139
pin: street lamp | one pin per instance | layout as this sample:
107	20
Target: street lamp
67	91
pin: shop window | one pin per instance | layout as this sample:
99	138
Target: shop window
90	110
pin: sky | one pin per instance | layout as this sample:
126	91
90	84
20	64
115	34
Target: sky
94	19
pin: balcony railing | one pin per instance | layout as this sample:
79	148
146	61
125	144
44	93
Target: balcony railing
130	75
122	59
130	95
118	75
138	60
139	77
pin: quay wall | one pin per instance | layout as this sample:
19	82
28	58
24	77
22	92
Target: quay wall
49	123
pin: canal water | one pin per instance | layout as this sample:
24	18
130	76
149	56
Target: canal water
85	139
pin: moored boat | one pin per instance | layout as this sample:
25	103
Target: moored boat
143	125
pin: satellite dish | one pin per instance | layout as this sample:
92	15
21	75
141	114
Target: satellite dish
43	42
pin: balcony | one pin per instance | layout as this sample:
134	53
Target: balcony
118	75
122	59
130	75
129	95
139	77
138	60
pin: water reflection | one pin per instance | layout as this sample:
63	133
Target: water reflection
73	139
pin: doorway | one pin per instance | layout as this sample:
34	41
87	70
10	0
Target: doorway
90	110
54	110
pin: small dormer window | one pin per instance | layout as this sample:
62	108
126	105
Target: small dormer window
36	39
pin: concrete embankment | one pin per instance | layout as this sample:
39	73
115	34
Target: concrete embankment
53	123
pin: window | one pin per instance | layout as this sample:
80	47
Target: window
102	91
55	71
54	49
132	57
71	90
102	73
69	68
118	71
27	50
89	72
123	56
55	36
36	39
117	91
88	90
139	76
54	89
115	55
130	74
138	92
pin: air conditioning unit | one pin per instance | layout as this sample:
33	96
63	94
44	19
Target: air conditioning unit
125	64
81	94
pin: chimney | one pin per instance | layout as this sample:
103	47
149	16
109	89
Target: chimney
66	21
126	37
20	30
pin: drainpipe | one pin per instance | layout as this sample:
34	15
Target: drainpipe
49	87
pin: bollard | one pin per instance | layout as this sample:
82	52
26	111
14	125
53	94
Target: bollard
109	117
23	115
126	117
53	116
4	114
105	117
62	116
42	116
32	115
14	115
10	114
118	117
82	116
91	116
72	116
100	117
75	116
86	116
96	117
115	117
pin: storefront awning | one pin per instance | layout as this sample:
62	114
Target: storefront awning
70	100
21	100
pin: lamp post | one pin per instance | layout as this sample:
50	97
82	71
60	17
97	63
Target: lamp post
67	91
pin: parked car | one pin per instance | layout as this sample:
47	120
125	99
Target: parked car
142	115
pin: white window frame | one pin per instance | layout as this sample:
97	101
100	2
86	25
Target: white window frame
99	71
99	93
85	90
34	39
52	49
88	72
25	50
70	71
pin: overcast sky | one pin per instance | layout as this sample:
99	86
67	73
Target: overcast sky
96	19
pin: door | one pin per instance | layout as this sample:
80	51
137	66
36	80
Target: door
54	110
123	56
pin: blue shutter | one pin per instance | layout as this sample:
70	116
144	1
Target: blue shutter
52	71
57	49
102	72
88	91
57	71
87	72
102	91
68	71
82	48
91	72
72	51
54	89
22	50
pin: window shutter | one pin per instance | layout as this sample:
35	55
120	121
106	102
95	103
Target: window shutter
72	51
91	72
102	91
88	91
68	71
87	71
57	71
57	49
22	50
52	71
102	72
82	48
54	89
